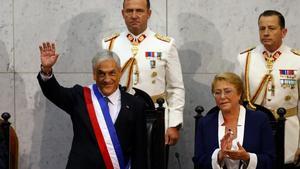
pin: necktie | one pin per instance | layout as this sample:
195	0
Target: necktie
106	100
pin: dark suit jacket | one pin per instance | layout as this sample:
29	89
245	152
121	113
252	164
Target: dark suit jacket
3	149
258	139
85	154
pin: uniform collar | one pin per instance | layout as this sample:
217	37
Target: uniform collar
146	32
281	49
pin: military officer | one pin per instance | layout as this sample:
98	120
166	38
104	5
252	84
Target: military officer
150	62
271	72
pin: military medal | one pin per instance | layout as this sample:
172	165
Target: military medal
159	55
272	90
154	74
149	55
152	64
271	85
287	98
136	77
153	55
288	78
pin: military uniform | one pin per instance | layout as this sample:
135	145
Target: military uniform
272	80
150	62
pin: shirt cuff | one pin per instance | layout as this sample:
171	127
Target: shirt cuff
45	77
252	161
214	160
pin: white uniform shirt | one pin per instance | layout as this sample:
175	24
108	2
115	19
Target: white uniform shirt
286	97
168	78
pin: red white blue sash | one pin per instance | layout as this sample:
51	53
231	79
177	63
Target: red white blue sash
104	129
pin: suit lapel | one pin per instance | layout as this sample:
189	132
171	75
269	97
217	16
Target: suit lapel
124	111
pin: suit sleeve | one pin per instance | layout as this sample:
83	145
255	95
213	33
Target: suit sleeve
139	159
266	157
174	87
202	157
60	96
3	153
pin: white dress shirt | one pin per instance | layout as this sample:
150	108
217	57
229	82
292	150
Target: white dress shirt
164	77
114	104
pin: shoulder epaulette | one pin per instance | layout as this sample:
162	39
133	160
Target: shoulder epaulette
113	36
247	50
162	37
295	51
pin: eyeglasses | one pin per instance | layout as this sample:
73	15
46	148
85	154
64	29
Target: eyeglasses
225	93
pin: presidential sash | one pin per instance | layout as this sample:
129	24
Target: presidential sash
103	127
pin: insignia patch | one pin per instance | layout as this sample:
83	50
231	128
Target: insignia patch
113	36
163	38
247	50
295	51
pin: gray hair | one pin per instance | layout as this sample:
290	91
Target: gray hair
105	55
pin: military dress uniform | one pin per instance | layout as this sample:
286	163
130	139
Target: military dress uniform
272	80
150	62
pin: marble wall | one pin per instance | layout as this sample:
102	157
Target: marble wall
209	35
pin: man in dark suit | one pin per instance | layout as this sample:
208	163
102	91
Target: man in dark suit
109	125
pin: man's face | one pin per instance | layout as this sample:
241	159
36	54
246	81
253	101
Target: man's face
136	15
270	32
107	76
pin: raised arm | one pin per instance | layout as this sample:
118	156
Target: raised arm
48	57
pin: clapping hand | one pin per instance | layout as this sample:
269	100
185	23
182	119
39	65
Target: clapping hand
226	144
239	154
